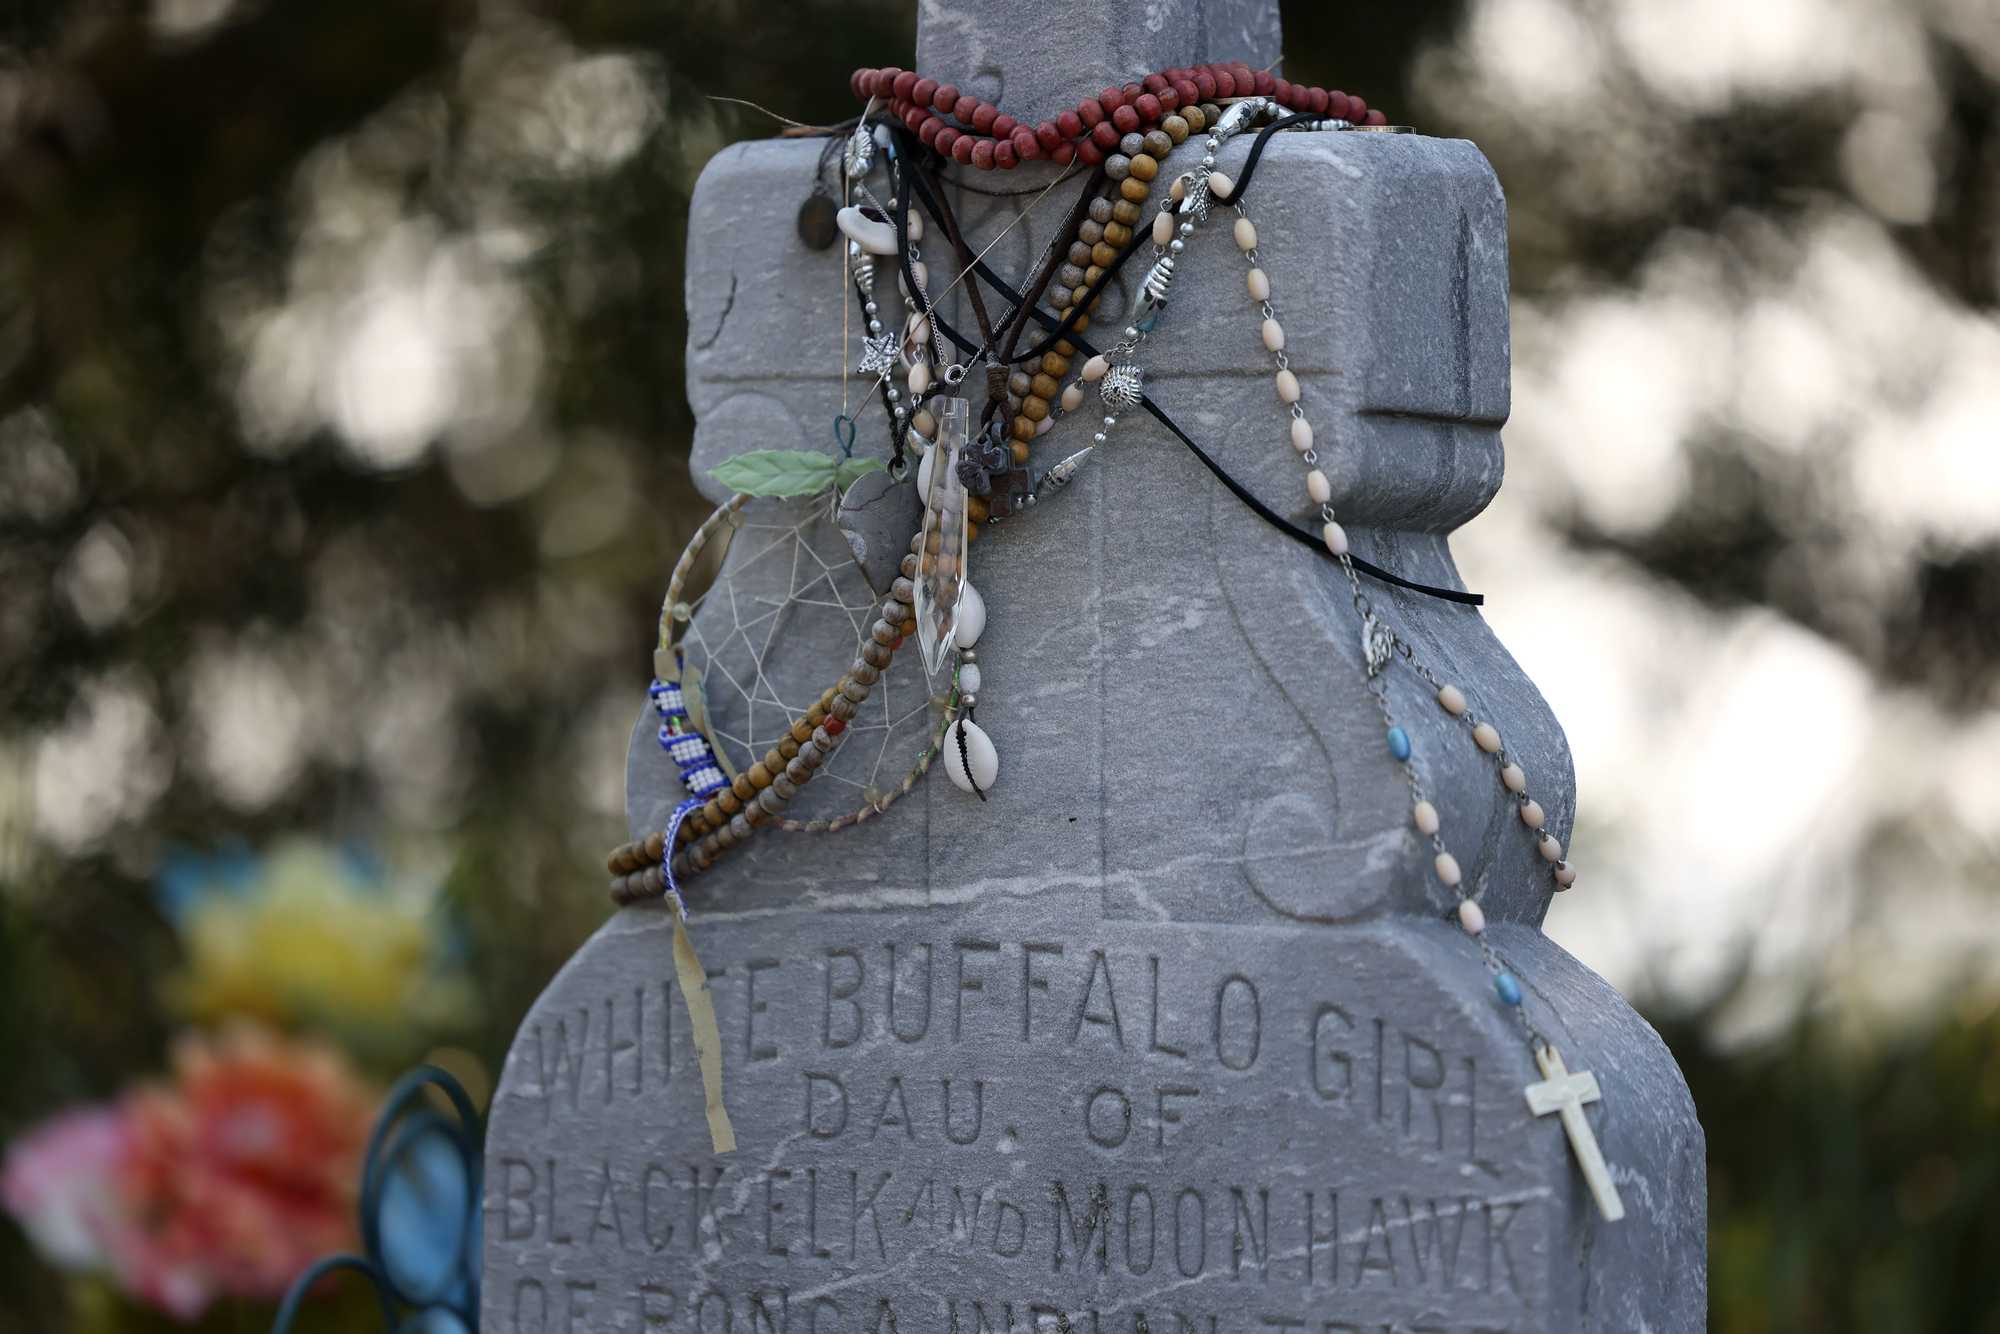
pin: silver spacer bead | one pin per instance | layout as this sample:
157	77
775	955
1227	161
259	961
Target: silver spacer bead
875	327
1110	422
872	308
1177	245
1208	160
969	700
1187	229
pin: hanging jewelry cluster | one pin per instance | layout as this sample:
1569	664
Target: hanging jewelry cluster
967	480
969	476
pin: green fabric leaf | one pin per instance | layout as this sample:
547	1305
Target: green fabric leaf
776	472
851	471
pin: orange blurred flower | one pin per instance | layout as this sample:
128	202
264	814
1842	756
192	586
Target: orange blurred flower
247	1167
228	1181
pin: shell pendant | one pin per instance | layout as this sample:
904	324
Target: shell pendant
970	759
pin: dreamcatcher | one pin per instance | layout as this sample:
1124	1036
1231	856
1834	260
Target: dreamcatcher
747	658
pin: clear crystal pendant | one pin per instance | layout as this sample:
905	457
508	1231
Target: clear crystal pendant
941	562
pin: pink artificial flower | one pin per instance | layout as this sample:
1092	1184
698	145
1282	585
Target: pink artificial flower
60	1181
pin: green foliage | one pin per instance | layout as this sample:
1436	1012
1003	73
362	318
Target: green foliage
1851	1180
790	472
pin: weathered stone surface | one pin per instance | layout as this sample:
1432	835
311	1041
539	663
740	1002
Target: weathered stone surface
1193	892
1034	61
879	515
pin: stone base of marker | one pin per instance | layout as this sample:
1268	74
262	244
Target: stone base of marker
1014	1114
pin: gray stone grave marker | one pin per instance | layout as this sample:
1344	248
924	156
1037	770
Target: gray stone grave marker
1170	1036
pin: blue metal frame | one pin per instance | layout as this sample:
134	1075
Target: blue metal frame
412	1143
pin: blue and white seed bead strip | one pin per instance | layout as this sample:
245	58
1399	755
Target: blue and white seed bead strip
701	775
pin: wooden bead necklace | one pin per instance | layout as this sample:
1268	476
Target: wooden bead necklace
978	134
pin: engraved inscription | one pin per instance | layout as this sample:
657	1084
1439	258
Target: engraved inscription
901	1183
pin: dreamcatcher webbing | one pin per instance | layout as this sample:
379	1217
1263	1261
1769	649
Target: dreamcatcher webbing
787	610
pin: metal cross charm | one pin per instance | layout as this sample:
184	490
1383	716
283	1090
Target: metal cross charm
1565	1093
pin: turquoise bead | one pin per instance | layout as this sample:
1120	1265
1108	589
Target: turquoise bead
1508	986
1399	743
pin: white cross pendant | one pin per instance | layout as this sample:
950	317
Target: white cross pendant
1565	1094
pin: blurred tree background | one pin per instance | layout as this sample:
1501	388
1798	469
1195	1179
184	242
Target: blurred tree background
343	456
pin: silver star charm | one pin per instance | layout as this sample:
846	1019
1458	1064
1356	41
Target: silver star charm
878	355
1196	201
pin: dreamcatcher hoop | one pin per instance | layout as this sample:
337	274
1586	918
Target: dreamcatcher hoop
671	668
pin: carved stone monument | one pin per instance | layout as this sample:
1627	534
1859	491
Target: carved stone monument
1170	1035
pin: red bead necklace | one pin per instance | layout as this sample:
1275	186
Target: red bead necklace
979	134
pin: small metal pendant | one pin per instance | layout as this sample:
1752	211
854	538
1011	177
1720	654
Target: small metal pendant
1121	388
816	225
1378	643
860	153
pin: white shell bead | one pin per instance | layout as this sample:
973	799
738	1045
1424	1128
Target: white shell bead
1246	234
924	472
968	678
1044	425
1318	487
1302	434
1072	397
1514	778
1274	336
877	238
1335	537
971	617
1532	814
1471	917
1094	369
920	377
916	225
1178	190
1487	738
1163	228
983	759
1426	817
1565	876
924	422
1288	387
1452	700
1221	186
1260	285
1551	848
1447	868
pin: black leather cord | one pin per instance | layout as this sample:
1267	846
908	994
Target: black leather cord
1292	530
1065	329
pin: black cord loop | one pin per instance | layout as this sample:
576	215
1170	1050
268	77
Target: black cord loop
915	184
